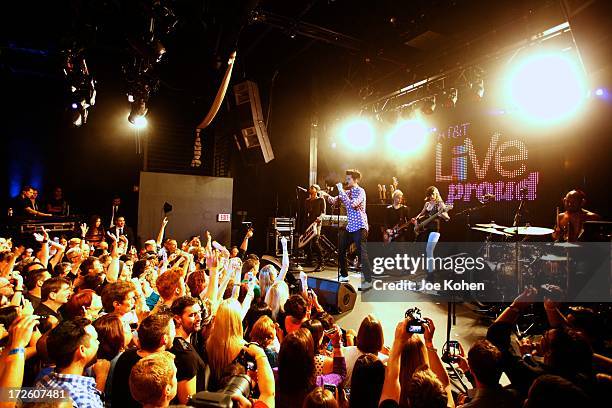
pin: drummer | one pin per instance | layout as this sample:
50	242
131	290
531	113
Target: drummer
570	223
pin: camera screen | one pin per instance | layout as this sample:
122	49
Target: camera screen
415	329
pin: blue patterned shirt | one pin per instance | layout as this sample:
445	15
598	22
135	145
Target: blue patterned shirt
82	390
355	202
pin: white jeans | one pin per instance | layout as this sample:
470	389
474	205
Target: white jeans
432	240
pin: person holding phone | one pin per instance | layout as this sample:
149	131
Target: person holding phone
296	368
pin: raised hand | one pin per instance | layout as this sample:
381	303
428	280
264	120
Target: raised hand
212	260
526	298
44	236
20	332
428	331
165	222
84	229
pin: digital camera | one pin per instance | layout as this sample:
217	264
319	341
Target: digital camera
414	321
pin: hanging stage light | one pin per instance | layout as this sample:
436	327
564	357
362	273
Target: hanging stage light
138	110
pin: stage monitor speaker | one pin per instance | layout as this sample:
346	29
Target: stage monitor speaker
249	132
335	297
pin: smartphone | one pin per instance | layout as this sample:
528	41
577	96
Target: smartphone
454	350
415	329
330	387
329	332
330	346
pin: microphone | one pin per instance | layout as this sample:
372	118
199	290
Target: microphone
301	188
523	190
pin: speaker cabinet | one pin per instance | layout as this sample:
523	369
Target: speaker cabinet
334	297
249	132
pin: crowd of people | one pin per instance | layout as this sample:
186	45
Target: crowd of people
109	326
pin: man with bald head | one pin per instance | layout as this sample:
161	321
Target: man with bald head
570	223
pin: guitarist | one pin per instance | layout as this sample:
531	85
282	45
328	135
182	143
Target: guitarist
431	231
396	215
315	207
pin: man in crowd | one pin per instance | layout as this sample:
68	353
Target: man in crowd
120	229
484	362
116	211
192	372
54	293
24	204
33	283
155	334
170	286
73	346
153	380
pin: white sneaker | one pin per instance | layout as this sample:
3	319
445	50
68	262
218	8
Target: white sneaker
343	279
365	286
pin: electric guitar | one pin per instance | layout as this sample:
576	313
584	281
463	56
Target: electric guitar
420	226
396	231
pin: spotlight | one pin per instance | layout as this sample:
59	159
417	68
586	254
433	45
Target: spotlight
140	122
358	134
450	98
601	92
408	136
74	106
138	110
428	105
547	88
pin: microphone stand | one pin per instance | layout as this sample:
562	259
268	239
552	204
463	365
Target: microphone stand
515	225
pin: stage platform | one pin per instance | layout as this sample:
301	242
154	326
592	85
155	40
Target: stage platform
468	329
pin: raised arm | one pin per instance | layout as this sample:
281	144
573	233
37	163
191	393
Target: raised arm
211	265
162	230
112	273
391	387
244	246
285	264
43	253
11	374
59	253
434	359
265	375
17	252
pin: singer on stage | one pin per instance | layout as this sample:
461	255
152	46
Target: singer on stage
354	199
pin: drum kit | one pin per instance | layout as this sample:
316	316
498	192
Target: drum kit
534	263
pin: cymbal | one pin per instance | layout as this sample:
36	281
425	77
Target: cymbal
491	225
491	231
529	230
566	245
551	257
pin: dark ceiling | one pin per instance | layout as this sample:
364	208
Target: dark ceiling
366	46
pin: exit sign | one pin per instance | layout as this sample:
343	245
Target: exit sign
223	218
